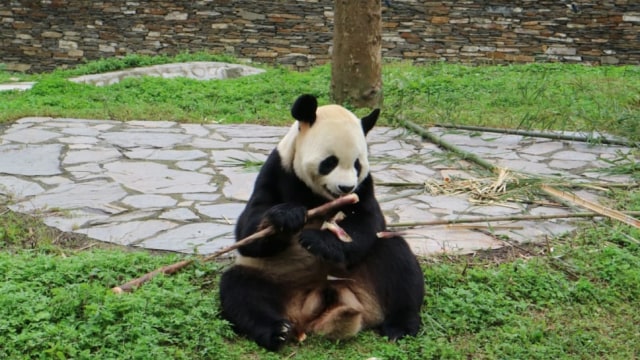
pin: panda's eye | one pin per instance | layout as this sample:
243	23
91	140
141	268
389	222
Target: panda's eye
327	165
357	166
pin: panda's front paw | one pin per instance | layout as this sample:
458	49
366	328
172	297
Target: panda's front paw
322	244
286	218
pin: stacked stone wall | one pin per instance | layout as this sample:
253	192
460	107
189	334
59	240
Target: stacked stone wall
40	35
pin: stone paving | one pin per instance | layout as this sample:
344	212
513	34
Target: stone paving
180	187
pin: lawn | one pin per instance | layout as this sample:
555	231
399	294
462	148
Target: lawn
573	297
532	96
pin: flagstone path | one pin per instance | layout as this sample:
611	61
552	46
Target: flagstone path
180	187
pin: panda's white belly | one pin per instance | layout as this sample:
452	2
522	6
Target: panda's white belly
294	266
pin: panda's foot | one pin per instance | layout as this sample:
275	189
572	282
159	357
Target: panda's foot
276	336
394	332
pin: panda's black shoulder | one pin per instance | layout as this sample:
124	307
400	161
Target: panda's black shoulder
272	167
370	206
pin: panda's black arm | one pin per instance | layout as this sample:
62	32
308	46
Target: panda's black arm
363	227
267	246
362	222
267	206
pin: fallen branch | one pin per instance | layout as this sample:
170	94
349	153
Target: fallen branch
170	269
465	155
546	135
573	199
478	219
485	227
135	283
598	185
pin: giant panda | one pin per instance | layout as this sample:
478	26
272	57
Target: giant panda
303	279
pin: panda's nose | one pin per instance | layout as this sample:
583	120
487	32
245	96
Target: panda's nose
346	189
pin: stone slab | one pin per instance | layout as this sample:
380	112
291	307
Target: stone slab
30	160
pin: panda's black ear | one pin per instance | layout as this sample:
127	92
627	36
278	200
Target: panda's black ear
304	109
370	120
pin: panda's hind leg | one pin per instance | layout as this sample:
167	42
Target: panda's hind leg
343	317
400	287
255	306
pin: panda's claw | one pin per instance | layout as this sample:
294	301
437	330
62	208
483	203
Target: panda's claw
277	336
286	327
284	332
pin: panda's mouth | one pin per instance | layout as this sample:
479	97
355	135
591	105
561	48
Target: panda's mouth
334	195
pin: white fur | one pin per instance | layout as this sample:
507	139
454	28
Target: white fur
336	131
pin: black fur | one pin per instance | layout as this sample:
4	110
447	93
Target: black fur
255	305
304	109
327	165
400	285
370	120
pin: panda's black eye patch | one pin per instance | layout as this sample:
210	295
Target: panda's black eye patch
357	166
327	165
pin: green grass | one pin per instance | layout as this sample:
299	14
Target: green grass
62	309
538	96
160	99
575	297
533	96
578	301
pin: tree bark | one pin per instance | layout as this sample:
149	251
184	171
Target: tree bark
356	67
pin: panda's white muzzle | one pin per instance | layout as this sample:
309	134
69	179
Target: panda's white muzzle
340	190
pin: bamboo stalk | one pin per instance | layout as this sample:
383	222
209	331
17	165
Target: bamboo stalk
170	269
590	184
597	208
485	227
135	283
546	135
478	219
465	155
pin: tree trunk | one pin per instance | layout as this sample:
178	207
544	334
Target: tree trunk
356	67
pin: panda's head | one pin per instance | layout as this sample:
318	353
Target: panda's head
326	147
